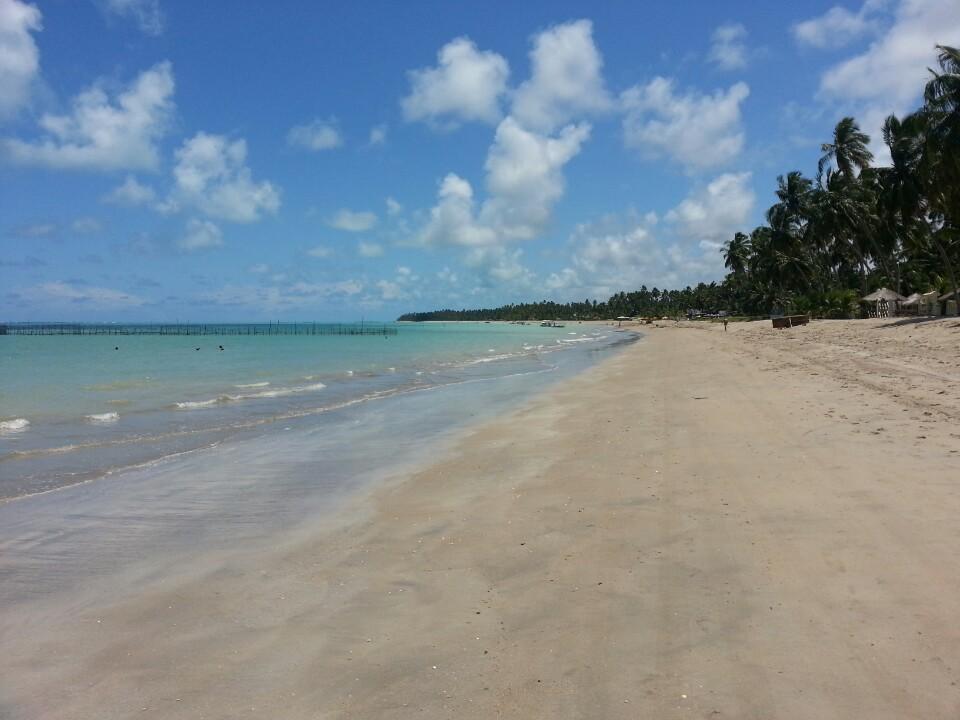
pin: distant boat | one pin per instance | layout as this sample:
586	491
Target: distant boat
551	324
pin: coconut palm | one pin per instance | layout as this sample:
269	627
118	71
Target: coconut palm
736	252
941	162
848	151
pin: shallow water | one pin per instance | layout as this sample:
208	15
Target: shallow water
73	408
262	471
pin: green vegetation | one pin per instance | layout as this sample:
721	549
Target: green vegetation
828	240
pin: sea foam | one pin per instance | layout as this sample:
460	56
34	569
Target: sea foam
106	417
15	425
223	399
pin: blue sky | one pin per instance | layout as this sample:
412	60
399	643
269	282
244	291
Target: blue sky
166	160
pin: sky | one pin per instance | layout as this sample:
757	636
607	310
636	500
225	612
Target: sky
168	160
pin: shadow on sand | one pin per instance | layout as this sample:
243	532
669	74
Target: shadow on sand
918	321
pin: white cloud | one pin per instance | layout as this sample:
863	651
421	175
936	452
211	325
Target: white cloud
711	214
393	207
86	225
130	192
58	293
838	26
103	133
378	135
390	290
497	266
698	130
316	135
451	220
320	251
201	235
618	253
566	81
259	269
369	249
19	56
299	294
890	75
728	50
447	275
525	177
353	221
211	175
146	13
466	85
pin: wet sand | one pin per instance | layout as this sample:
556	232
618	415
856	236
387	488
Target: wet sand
751	524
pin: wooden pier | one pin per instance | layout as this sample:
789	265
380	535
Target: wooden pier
277	328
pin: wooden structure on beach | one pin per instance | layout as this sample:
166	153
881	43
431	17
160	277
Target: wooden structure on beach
788	321
197	329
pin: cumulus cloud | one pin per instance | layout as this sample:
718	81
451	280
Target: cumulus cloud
452	221
390	290
524	180
727	49
104	133
130	192
145	13
353	221
889	76
369	249
320	251
711	214
497	266
838	26
61	293
200	235
19	56
618	253
525	177
566	79
211	175
466	85
697	130
316	135
259	269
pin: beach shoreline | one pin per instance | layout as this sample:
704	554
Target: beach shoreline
748	524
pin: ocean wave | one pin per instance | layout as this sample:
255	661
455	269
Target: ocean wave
106	417
578	340
254	385
493	358
223	399
15	425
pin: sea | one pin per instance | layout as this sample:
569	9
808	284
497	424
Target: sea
120	452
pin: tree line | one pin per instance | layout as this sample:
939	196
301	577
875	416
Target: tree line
829	239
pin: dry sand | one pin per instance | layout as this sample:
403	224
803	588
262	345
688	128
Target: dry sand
751	524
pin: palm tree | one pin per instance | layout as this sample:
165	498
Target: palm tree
736	252
793	192
848	151
941	162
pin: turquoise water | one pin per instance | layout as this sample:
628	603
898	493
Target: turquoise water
75	408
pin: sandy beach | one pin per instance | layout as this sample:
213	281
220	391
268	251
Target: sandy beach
742	524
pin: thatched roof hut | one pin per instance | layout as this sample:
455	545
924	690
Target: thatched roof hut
883	294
